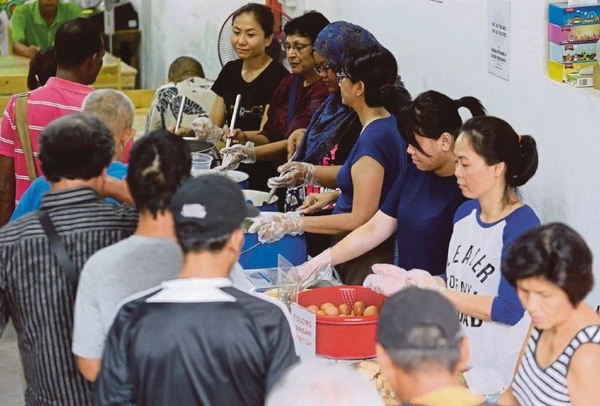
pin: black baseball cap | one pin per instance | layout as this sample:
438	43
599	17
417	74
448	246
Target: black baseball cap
213	202
414	307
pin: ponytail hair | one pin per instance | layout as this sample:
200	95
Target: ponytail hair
496	141
527	162
432	113
472	104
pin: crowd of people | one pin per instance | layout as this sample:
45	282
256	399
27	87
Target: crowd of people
119	270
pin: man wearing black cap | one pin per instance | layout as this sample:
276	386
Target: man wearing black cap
421	349
197	339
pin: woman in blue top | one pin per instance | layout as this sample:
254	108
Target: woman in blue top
492	160
422	202
378	156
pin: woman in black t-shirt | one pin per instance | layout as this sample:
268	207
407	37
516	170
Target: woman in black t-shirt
255	75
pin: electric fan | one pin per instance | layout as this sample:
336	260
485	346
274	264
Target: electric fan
227	53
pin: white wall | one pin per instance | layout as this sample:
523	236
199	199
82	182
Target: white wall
180	27
442	46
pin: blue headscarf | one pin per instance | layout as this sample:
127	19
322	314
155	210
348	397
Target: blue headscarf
330	122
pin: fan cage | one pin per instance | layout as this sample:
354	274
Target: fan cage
227	53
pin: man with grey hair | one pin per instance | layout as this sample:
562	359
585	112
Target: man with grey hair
323	383
421	349
116	111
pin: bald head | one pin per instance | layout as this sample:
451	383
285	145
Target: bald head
185	67
116	111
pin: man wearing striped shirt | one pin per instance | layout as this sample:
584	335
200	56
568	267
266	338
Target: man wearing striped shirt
35	291
79	51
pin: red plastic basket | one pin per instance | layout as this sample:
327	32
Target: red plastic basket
344	337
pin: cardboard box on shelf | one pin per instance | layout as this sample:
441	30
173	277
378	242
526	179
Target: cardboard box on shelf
579	80
596	77
573	34
559	71
564	14
572	52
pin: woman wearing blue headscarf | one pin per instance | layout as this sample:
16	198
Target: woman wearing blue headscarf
354	121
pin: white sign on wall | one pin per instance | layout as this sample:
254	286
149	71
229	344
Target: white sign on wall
305	329
498	30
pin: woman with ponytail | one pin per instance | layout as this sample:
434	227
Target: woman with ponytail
492	161
366	81
421	205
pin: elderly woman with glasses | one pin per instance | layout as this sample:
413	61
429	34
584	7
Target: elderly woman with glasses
292	105
366	79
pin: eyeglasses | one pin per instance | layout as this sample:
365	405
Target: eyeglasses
298	48
322	70
339	76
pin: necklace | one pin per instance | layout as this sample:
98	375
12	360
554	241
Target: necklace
250	74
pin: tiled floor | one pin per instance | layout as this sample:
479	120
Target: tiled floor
11	390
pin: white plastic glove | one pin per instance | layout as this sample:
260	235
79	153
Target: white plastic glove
314	270
236	155
273	228
387	279
294	174
206	130
424	280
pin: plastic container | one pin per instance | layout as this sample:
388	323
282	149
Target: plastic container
344	337
239	177
256	255
258	199
200	162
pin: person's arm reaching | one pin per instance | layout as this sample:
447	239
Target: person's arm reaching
28	51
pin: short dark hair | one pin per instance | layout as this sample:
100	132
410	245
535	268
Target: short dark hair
75	146
76	40
191	239
159	162
432	113
307	25
496	141
185	67
41	68
555	252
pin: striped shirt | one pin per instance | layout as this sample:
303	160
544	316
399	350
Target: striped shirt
57	98
534	385
37	295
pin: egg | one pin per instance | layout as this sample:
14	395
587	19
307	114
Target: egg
359	308
326	304
371	311
331	311
344	309
313	308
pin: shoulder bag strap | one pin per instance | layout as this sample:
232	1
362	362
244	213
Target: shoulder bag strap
23	131
58	248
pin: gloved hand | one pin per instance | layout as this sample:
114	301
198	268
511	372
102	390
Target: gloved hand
294	174
424	280
387	279
312	271
206	130
236	155
273	228
316	201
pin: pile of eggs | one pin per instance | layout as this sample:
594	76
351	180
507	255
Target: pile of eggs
359	308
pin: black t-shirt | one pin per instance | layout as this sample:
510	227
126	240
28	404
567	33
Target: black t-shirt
195	342
255	95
